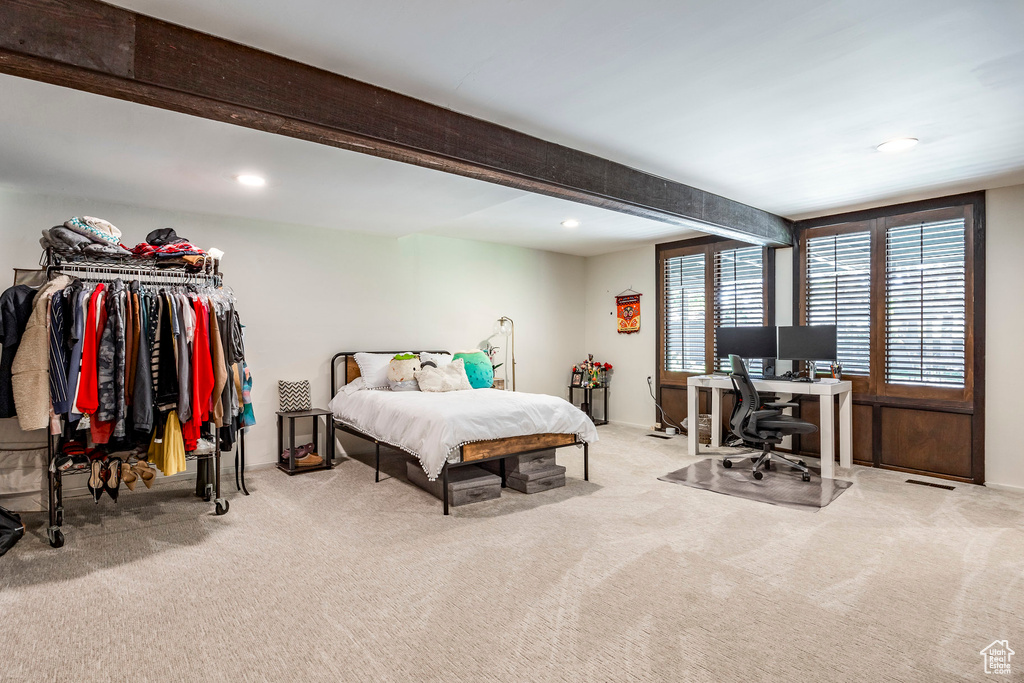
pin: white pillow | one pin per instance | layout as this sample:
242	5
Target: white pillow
451	377
373	368
358	384
438	359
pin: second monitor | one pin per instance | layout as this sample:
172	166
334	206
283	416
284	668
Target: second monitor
808	342
746	342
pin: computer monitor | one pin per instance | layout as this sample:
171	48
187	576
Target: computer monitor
746	342
807	342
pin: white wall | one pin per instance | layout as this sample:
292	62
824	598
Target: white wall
307	293
1004	335
633	356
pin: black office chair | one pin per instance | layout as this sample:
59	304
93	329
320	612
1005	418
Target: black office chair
765	427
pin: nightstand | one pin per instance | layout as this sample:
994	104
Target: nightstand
326	453
588	402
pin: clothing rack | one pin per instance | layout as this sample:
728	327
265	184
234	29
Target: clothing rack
146	271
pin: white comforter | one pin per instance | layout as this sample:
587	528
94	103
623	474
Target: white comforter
432	426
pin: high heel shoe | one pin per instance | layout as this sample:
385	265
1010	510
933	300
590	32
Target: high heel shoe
112	481
146	473
128	476
95	482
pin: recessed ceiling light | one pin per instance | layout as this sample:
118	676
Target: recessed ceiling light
251	180
897	145
571	223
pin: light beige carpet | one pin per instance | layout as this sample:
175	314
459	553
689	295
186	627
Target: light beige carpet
329	576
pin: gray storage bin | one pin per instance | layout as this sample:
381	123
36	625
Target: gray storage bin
531	462
466	484
537	480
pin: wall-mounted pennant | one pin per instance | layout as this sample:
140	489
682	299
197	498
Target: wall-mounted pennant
628	305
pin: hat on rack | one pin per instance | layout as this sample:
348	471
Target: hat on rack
163	236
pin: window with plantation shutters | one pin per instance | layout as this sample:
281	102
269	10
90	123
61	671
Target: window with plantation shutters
683	316
905	286
739	294
838	292
926	307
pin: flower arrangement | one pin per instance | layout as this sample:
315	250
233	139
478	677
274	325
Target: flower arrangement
591	374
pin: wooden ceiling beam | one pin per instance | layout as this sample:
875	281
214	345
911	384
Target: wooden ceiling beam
96	47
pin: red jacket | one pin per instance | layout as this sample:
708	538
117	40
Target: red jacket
88	384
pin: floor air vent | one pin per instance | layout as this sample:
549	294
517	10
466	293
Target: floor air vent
928	483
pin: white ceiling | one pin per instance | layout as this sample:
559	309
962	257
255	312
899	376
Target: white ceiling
75	143
775	104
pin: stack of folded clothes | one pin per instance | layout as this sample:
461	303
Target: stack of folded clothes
86	236
164	244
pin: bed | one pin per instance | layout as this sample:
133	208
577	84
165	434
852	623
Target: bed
454	429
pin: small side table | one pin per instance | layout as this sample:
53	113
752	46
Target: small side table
326	453
588	402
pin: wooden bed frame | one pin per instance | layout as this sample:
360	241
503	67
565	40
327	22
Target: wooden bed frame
470	453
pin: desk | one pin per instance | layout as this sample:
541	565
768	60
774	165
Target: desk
786	390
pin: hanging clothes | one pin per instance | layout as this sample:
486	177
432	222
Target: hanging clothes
15	310
168	454
142	393
129	345
59	402
80	304
183	331
220	370
120	360
202	376
30	372
165	361
88	397
248	417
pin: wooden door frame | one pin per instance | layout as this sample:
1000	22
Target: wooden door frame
709	245
972	400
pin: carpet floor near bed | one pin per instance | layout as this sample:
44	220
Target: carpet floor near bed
329	576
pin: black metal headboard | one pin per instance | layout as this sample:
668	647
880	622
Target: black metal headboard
345	354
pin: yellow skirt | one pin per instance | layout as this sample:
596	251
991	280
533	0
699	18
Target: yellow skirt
169	456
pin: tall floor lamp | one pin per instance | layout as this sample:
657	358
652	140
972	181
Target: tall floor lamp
507	328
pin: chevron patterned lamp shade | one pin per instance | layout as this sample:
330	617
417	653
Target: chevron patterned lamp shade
295	396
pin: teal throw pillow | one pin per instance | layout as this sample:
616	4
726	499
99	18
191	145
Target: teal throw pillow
478	368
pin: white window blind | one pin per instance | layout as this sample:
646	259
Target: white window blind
684	313
926	311
838	286
739	294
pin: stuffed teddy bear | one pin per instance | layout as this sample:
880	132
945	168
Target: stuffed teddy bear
402	372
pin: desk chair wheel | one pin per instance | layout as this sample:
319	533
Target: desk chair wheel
727	464
758	474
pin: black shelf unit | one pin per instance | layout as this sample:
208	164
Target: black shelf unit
587	405
327	454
